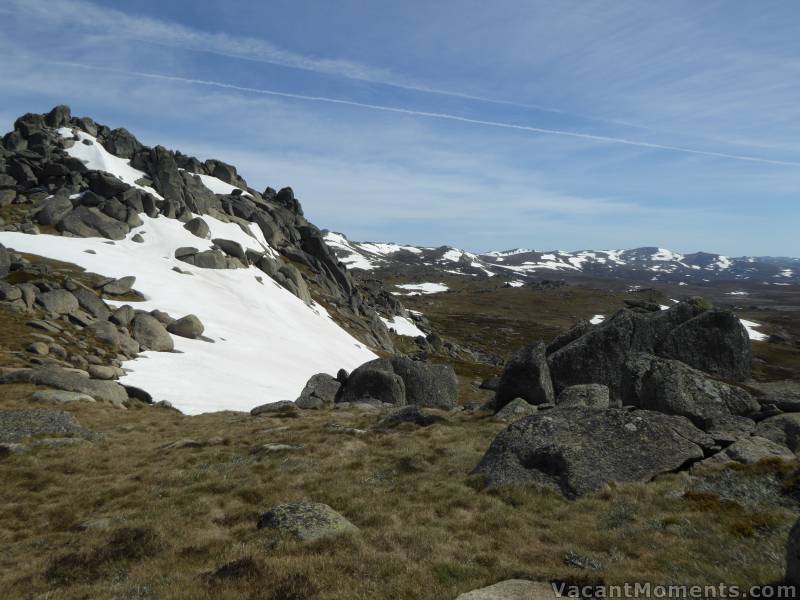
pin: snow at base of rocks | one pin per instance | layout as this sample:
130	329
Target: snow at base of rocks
217	186
752	332
403	326
597	319
267	342
97	158
423	288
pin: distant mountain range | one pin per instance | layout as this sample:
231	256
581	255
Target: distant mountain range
521	264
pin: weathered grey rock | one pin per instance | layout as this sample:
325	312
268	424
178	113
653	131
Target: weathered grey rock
783	394
103	372
5	260
793	556
60	302
515	410
17	425
319	392
375	380
189	327
282	408
59	116
54	209
306	521
782	429
409	414
590	394
512	589
577	450
162	317
108	333
750	450
715	342
123	315
29	294
60	396
198	227
105	184
151	334
9	293
231	248
527	376
185	252
120	286
273	448
726	429
599	355
291	279
570	335
70	381
39	348
671	387
122	143
210	259
91	303
89	221
427	384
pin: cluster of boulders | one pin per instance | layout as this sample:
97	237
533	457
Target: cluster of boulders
394	382
643	393
77	339
54	192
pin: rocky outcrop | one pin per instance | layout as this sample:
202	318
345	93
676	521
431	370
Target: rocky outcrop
17	425
704	338
70	381
512	589
527	376
189	326
409	414
400	380
672	387
577	450
781	429
375	381
590	394
151	334
306	521
52	189
515	410
427	384
320	392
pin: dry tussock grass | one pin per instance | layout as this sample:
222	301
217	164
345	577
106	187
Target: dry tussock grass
128	518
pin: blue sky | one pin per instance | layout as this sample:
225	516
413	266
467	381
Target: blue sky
551	125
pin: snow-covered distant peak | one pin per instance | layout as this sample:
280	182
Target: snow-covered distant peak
503	253
662	254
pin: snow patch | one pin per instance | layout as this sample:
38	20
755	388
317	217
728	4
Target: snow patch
267	341
217	186
423	288
752	333
403	326
597	319
97	158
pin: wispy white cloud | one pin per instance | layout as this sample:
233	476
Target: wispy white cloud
437	115
109	25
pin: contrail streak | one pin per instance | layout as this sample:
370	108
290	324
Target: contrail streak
431	115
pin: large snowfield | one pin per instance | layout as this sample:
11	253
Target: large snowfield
267	342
